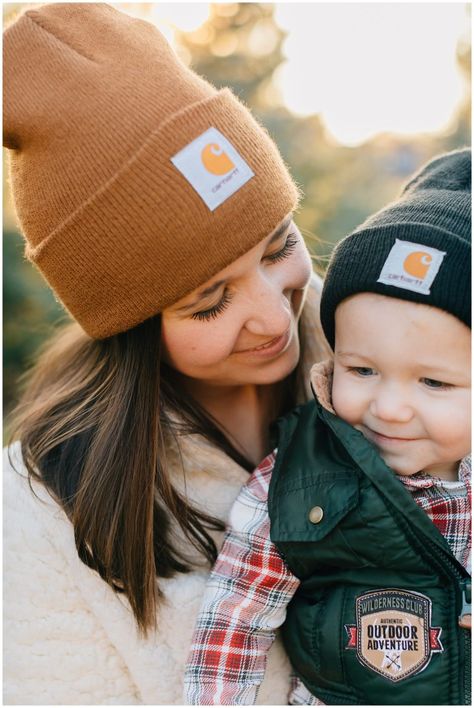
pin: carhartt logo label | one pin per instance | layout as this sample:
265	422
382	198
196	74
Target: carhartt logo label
411	266
215	160
417	264
213	167
393	634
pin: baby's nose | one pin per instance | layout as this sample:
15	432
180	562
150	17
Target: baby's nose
392	406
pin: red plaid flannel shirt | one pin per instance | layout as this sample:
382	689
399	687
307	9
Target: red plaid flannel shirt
250	587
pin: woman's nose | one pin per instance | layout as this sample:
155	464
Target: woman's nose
391	404
270	309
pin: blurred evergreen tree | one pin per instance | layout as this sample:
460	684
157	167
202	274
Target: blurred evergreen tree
239	46
462	134
30	314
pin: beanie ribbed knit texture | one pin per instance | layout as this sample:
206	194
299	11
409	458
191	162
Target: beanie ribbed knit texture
434	210
95	106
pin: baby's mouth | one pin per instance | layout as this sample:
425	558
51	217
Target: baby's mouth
382	438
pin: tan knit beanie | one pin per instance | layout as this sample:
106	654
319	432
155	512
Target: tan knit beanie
134	179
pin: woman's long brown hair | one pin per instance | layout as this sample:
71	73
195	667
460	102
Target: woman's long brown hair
92	423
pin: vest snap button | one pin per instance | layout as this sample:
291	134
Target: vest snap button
316	514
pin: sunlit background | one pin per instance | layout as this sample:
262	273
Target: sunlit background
356	95
365	68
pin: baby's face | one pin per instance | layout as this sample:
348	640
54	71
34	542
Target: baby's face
402	376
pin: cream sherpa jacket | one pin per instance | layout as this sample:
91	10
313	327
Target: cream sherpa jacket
68	638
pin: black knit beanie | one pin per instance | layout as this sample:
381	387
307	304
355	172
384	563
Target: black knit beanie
418	248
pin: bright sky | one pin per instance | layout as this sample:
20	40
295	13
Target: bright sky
371	67
364	67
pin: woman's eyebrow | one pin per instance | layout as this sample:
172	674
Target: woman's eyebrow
201	294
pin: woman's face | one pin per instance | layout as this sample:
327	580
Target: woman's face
240	327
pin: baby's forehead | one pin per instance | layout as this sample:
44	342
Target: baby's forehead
390	305
409	333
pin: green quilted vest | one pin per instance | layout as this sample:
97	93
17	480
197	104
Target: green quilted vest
375	619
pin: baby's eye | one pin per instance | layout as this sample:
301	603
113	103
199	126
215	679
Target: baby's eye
435	384
288	248
212	312
363	370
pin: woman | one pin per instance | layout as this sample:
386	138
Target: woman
161	215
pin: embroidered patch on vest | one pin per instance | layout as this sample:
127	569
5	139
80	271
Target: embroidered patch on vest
393	634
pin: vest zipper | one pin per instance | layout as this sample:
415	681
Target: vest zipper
464	585
466	610
466	597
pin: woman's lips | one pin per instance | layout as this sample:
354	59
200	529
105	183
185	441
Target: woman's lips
271	348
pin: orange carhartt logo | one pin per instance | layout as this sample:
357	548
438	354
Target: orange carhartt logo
215	160
411	266
417	264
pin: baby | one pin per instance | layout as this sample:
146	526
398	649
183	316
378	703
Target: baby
355	532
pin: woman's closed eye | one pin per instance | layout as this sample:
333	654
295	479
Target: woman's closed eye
212	312
282	253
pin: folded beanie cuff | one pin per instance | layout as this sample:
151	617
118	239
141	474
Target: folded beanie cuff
114	262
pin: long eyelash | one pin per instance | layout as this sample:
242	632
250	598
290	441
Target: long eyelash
213	312
284	252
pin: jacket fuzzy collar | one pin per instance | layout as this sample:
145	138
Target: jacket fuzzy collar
321	377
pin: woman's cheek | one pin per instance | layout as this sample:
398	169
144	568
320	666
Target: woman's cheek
197	345
300	268
304	276
307	267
